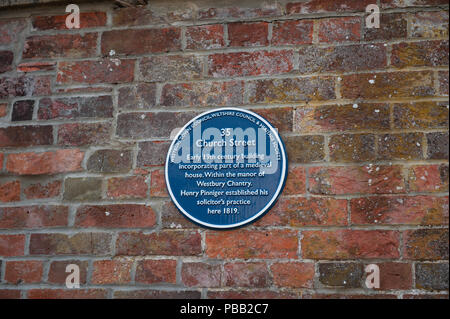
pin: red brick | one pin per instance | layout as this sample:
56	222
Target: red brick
115	216
156	271
33	217
248	274
60	161
24	271
300	211
111	272
356	180
20	136
250	63
11	29
415	210
428	178
295	181
395	276
316	6
44	190
133	16
252	244
292	32
340	29
87	20
141	41
59	46
79	134
12	245
90	72
9	294
76	107
388	85
293	274
3	109
161	68
205	37
201	275
57	273
239	12
251	294
157	294
425	244
169	243
350	244
36	66
330	118
25	85
127	187
281	118
74	244
415	54
67	293
158	184
9	191
248	34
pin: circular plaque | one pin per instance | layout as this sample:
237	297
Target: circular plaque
225	168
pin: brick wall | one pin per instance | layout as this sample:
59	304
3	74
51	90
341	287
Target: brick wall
85	118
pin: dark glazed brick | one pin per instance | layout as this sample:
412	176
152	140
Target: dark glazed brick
431	276
22	111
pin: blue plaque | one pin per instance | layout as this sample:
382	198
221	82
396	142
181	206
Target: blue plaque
226	168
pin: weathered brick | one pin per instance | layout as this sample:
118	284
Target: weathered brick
317	6
205	37
201	275
293	274
12	245
171	217
248	34
163	68
280	118
252	244
300	212
58	22
152	153
415	210
6	60
250	63
60	46
410	3
68	160
352	148
437	145
44	216
329	118
10	29
115	216
240	12
443	82
156	271
292	32
425	244
429	178
246	274
151	125
420	115
251	294
82	189
356	180
340	29
48	293
127	187
295	181
110	161
3	109
45	190
350	244
25	85
20	136
432	276
405	146
22	110
157	294
57	272
9	192
133	16
76	244
140	96
24	271
9	293
203	94
392	26
90	72
76	107
395	276
158	184
36	66
426	53
79	134
291	90
111	272
357	57
426	296
430	24
305	149
388	85
341	275
170	243
141	41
